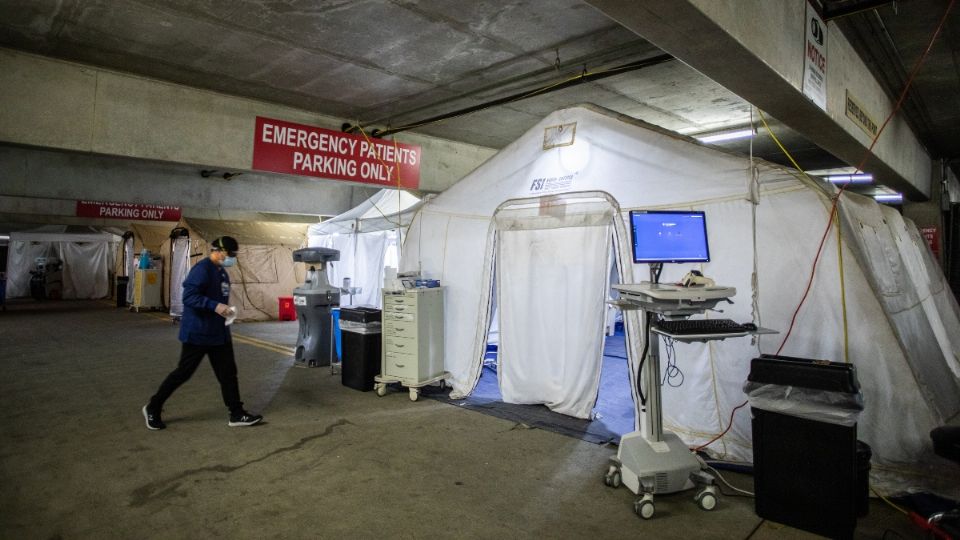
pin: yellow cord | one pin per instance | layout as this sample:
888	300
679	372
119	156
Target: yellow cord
836	218
843	290
384	163
888	501
784	150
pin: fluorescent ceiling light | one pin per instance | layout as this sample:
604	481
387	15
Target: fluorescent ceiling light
888	197
728	136
850	178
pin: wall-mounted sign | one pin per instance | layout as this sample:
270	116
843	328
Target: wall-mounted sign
932	236
128	211
289	148
815	59
857	113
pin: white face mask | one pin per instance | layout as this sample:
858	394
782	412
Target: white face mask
229	261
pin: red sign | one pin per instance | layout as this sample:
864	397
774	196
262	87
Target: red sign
285	147
932	236
114	210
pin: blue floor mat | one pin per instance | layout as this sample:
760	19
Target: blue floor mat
613	413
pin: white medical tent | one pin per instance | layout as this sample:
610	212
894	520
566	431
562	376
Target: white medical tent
367	237
537	223
87	256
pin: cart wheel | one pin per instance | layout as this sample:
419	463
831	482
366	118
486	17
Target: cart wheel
644	507
707	501
612	478
381	389
414	394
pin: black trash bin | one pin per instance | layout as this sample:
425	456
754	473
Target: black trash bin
809	469
122	282
360	334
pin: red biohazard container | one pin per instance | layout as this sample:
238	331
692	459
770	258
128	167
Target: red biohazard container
287	311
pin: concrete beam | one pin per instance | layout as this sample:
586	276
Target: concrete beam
57	104
755	48
47	175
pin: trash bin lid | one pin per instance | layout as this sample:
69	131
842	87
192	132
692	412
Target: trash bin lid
804	373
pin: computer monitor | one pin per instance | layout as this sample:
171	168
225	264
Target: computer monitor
669	236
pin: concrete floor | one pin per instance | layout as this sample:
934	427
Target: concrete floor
329	462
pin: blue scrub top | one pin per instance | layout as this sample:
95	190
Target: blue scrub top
206	286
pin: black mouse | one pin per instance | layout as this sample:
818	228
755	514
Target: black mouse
749	326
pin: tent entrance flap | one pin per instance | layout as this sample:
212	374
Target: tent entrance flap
552	278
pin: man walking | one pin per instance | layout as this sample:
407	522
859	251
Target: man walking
203	331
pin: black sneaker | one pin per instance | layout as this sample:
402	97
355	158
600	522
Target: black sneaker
153	420
244	419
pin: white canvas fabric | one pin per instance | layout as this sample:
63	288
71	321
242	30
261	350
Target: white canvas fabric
552	262
365	236
85	254
21	257
764	225
85	267
362	260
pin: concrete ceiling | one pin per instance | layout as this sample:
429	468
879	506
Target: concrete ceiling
389	63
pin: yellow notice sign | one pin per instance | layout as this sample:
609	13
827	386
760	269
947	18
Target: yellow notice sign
857	113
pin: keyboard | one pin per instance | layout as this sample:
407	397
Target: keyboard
692	327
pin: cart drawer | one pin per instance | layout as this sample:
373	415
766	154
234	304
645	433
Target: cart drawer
399	300
400	365
399	328
407	345
389	316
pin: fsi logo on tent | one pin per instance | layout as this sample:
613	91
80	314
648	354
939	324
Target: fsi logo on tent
555	183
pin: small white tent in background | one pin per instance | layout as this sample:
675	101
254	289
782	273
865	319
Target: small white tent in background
367	237
87	256
536	225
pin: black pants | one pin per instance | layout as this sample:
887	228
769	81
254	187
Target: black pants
224	367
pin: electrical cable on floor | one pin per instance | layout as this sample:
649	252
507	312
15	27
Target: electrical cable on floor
755	529
728	484
888	501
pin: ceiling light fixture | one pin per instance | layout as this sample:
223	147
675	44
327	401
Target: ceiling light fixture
728	136
889	197
850	178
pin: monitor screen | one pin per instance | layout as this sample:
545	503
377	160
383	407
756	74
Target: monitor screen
674	236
